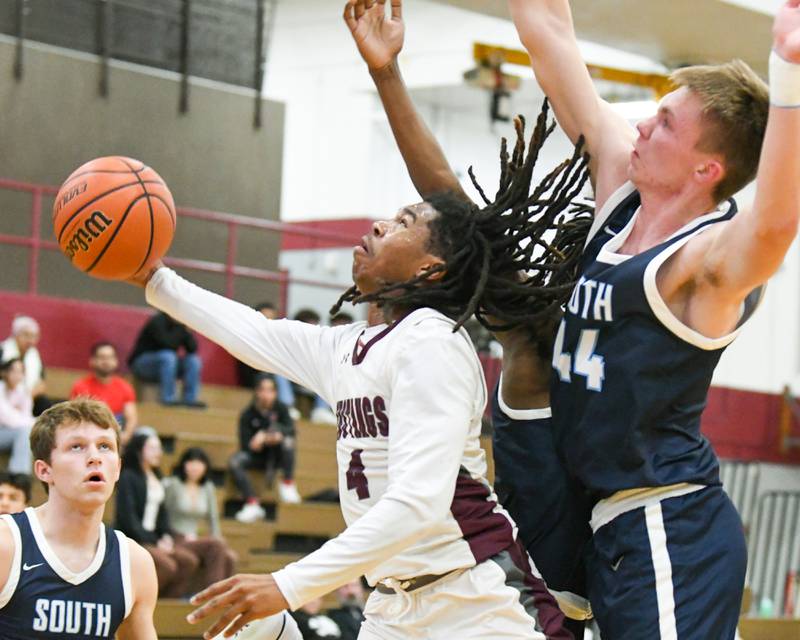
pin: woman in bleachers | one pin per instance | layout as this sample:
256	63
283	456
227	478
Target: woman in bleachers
191	500
16	416
142	516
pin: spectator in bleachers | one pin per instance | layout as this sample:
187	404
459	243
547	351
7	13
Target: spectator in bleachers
16	416
191	500
320	411
103	384
15	492
315	624
266	441
350	613
142	516
166	350
340	319
25	334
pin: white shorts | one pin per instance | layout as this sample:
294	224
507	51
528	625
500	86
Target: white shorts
494	600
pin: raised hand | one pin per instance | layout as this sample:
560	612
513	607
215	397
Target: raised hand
786	32
379	38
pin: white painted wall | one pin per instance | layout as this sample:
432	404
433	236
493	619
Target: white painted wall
340	159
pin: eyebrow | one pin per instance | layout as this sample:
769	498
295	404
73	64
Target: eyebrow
409	212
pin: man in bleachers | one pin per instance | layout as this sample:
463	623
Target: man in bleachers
266	441
166	350
350	613
15	492
315	624
25	334
103	384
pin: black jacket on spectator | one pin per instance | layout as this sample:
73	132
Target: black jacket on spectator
349	618
162	332
251	421
131	500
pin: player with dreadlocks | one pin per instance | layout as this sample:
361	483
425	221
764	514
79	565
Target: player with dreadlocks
423	523
549	507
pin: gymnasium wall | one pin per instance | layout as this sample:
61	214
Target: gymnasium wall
54	119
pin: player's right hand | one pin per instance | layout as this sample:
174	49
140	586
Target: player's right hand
143	277
379	38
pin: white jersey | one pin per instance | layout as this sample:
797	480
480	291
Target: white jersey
409	398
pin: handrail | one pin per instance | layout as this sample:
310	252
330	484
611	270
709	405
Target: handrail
229	268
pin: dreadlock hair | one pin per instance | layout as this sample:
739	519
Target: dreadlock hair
512	262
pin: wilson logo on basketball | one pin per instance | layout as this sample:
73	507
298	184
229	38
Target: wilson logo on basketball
94	226
70	195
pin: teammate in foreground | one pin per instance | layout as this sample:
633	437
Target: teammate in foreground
63	573
550	508
668	278
423	523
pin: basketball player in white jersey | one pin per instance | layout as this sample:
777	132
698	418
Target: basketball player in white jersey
63	573
423	523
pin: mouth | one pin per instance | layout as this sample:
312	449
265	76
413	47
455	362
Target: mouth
363	247
95	479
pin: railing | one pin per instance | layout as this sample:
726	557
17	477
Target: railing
229	267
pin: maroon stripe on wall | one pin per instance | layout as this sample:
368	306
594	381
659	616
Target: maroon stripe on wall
487	532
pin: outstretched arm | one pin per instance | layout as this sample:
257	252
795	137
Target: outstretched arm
546	31
379	39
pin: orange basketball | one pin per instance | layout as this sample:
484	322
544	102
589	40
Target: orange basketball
113	217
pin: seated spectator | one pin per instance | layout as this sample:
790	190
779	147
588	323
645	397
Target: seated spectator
266	440
166	350
21	344
320	411
16	416
340	319
314	624
102	384
350	613
15	492
142	516
191	500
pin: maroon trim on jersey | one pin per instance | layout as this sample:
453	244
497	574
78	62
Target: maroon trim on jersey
486	531
358	356
548	615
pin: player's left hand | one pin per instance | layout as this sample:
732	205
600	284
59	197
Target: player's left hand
240	599
786	32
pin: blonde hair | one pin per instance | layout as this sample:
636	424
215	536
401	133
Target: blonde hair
735	106
73	412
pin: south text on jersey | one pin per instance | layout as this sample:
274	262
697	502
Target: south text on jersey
72	617
592	300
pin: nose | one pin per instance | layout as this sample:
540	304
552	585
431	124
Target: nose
379	228
645	127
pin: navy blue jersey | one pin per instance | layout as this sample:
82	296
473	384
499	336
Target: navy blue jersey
630	380
43	599
550	508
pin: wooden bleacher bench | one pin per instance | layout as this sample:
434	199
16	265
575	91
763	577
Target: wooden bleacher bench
769	629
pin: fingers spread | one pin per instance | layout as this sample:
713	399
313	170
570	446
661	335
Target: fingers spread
397	9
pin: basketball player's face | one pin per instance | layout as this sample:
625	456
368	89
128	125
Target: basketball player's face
665	156
396	250
84	464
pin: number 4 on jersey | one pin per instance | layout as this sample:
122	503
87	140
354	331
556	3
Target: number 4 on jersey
355	475
587	362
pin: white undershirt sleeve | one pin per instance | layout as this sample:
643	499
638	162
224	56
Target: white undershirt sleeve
436	387
296	350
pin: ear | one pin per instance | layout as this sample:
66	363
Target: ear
43	471
710	173
431	262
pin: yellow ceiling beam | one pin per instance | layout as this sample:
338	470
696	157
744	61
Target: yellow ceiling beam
659	83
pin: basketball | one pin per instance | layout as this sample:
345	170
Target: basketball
113	217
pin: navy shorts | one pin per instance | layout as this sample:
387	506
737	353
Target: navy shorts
673	570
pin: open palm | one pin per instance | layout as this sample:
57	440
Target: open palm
786	31
379	37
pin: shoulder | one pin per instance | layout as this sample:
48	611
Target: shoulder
123	384
430	328
8	548
143	570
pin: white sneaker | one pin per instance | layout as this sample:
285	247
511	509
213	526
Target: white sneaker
323	415
251	512
288	493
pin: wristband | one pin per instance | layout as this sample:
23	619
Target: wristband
784	82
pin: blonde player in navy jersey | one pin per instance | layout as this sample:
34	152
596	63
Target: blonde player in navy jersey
64	575
670	274
423	523
549	507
